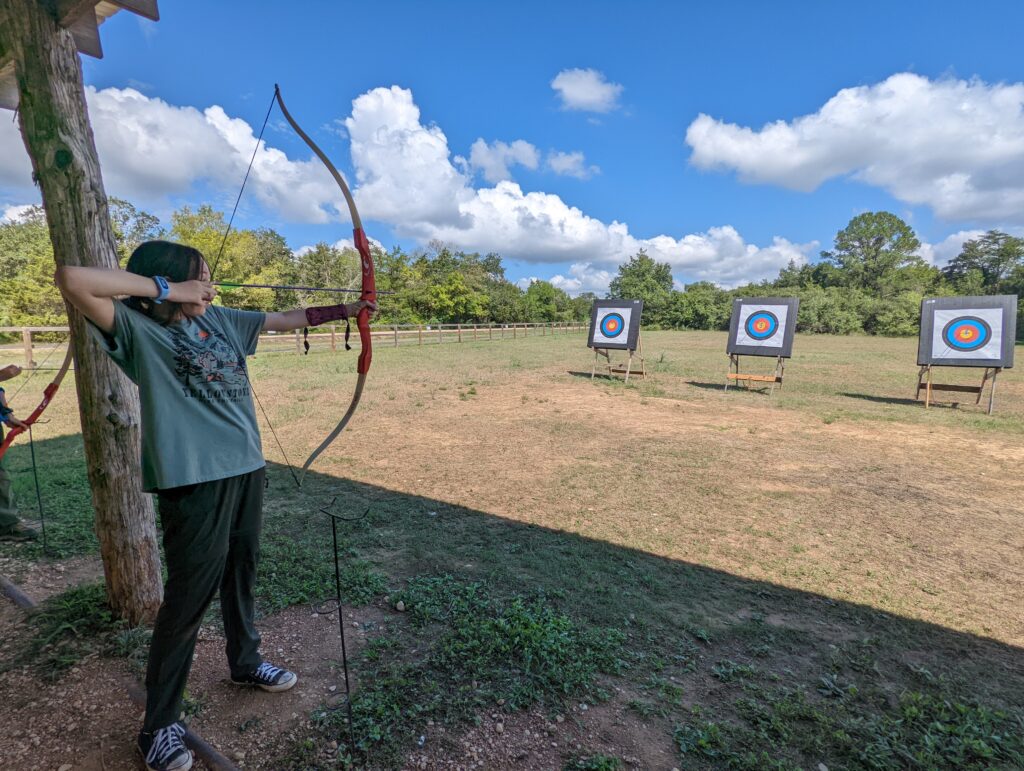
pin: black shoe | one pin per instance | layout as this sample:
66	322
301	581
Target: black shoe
164	749
268	677
20	532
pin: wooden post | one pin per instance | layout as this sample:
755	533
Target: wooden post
26	342
440	334
474	333
298	342
334	336
396	335
490	331
419	333
56	132
458	331
514	331
992	391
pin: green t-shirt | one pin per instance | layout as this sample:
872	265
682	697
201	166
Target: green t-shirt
198	420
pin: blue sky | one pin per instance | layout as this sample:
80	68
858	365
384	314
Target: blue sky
725	138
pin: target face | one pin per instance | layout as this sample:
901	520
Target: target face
968	333
761	325
615	324
612	325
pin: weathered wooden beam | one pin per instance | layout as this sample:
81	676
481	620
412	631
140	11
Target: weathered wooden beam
146	8
86	32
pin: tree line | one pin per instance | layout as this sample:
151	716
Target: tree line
871	281
436	285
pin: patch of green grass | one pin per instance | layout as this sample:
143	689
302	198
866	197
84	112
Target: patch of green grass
597	762
472	651
933	731
74	624
293	571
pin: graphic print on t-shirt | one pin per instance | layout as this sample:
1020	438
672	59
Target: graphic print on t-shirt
205	357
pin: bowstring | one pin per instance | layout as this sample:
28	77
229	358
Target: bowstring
216	262
224	241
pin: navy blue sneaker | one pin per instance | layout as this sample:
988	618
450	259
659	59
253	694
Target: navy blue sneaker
269	678
164	749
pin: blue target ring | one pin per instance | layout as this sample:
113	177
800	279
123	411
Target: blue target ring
612	325
761	325
967	333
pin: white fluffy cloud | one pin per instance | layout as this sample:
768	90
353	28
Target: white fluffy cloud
405	177
150	149
14	213
571	165
494	160
948	248
587	90
956	146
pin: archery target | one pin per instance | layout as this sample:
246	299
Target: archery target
612	326
762	325
968	333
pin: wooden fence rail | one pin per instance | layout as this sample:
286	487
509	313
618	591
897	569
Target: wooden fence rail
331	337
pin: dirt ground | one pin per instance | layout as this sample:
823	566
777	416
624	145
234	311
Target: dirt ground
918	519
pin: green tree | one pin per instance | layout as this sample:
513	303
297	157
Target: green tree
994	258
644	279
131	227
871	251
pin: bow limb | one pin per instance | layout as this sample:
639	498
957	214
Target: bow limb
48	394
369	287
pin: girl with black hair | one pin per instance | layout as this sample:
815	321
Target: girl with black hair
201	457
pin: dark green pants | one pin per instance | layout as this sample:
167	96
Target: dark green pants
8	506
211	542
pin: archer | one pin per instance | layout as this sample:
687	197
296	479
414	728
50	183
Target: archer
201	457
11	526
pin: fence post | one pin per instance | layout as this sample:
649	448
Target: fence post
419	333
440	334
458	331
514	333
396	335
474	332
298	343
526	329
490	331
26	341
334	342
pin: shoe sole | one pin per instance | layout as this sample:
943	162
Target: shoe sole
271	688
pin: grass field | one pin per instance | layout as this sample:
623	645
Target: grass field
829	575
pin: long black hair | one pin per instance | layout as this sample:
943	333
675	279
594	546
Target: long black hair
175	262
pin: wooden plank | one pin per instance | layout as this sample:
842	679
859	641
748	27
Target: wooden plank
756	378
146	8
966	389
86	33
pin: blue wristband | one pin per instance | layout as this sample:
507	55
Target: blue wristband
163	288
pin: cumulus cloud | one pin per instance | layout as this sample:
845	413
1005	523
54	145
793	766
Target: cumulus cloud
571	165
956	146
150	150
948	248
494	160
14	213
586	90
405	177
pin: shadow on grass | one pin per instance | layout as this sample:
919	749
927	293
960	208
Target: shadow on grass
902	401
736	672
776	674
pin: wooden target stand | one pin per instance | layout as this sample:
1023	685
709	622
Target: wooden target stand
926	384
735	376
625	368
